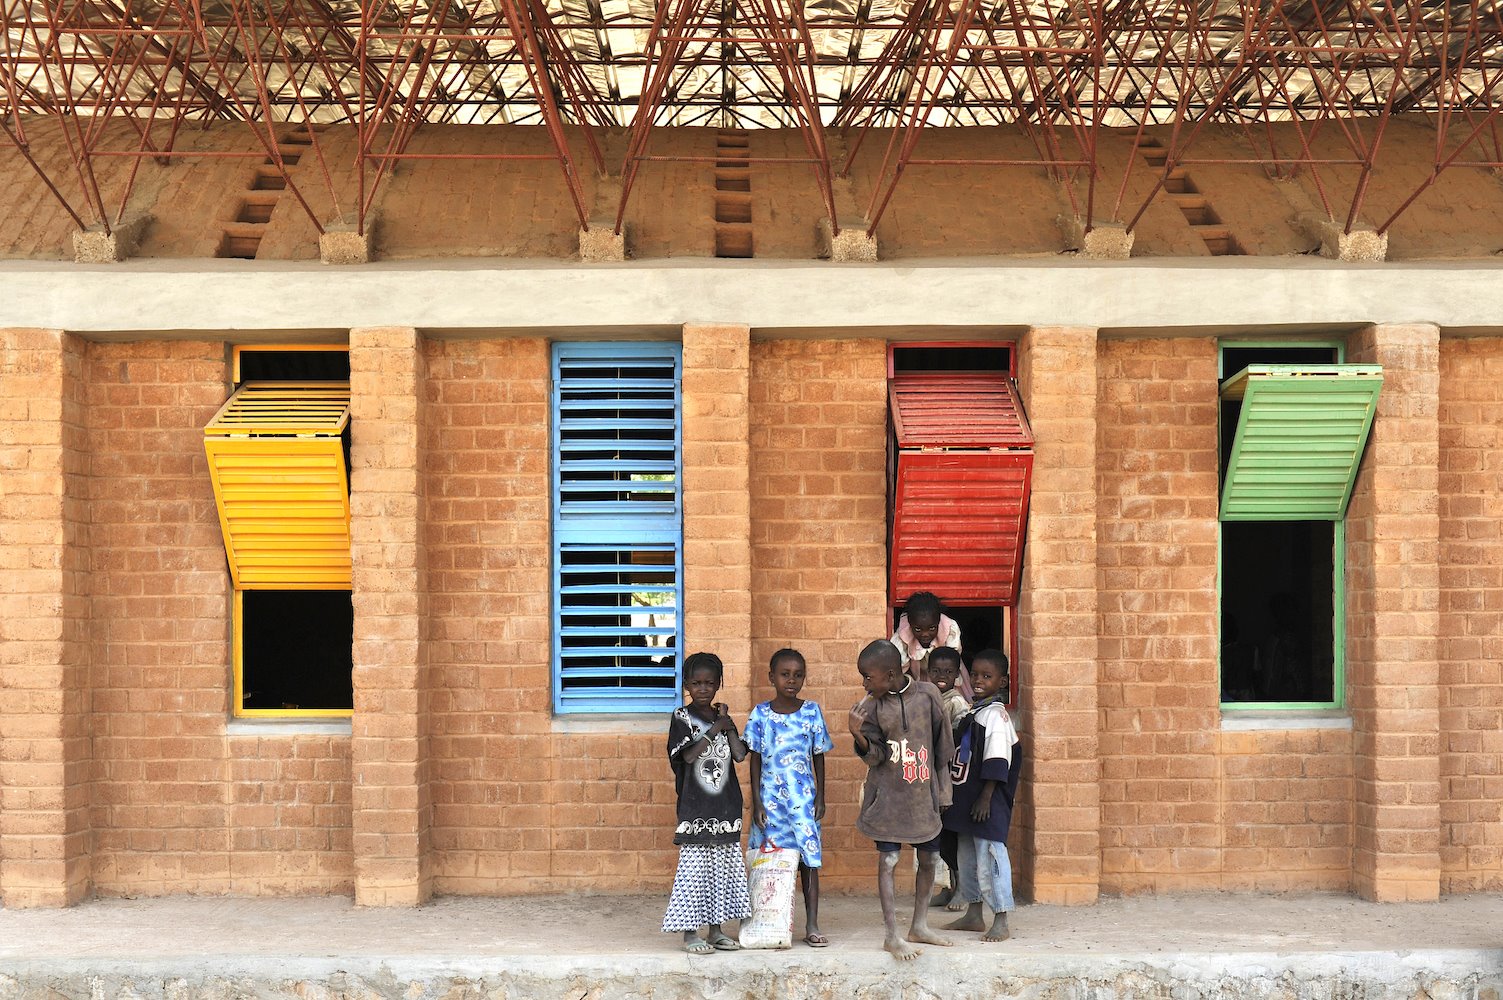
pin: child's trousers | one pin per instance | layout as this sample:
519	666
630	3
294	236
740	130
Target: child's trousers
985	873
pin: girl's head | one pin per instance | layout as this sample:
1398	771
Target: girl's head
881	668
989	673
923	611
944	668
703	673
786	670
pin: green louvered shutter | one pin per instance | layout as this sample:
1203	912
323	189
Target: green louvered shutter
1299	438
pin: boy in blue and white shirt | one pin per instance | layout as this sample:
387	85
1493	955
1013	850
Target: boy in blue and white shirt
985	771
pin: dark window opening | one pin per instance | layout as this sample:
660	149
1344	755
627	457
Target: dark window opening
931	358
297	649
294	366
1277	613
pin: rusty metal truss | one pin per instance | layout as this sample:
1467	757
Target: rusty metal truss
130	78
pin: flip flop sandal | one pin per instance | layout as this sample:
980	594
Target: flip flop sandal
816	941
699	947
721	942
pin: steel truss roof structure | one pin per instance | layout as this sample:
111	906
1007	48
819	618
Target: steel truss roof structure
1059	71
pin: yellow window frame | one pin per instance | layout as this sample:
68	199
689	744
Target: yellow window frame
239	710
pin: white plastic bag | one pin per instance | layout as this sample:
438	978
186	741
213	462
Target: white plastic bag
772	873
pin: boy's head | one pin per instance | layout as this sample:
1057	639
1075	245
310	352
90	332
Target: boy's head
881	668
703	673
786	670
944	668
923	611
989	674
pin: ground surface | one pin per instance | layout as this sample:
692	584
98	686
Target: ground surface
628	925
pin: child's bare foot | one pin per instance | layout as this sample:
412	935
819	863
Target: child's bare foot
900	949
923	935
942	897
695	945
972	920
955	904
998	931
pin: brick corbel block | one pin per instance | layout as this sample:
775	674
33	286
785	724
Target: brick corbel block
95	246
600	243
341	242
1099	241
1359	245
849	245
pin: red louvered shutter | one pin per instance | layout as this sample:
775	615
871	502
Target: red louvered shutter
960	488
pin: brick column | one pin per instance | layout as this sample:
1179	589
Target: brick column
44	703
1057	619
717	504
393	811
1392	621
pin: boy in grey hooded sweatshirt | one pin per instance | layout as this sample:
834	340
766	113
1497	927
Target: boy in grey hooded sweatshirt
903	734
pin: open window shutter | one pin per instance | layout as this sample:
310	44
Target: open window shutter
1299	439
276	460
618	537
960	485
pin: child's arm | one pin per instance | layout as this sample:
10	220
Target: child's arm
867	734
738	745
819	786
854	721
982	810
759	815
721	724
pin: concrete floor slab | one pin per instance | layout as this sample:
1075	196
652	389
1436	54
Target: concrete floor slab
609	947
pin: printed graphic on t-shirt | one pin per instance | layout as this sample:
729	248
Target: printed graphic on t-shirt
915	765
710	768
960	767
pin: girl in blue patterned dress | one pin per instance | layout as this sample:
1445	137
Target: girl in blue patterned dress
788	741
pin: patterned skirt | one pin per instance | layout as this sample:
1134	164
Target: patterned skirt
709	887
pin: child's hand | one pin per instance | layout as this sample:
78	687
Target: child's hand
857	718
819	808
981	811
722	723
759	815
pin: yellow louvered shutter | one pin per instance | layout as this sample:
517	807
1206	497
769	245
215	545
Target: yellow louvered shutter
276	458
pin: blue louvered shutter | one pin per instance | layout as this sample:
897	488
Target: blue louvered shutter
617	527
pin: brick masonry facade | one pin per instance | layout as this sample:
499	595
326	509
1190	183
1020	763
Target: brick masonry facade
120	774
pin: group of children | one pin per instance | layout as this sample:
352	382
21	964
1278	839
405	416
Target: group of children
942	760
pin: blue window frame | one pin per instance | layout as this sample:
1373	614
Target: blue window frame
617	527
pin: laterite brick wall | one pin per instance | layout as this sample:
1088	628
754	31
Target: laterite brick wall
179	806
818	463
1471	614
518	806
45	839
1183	805
1156	577
1393	622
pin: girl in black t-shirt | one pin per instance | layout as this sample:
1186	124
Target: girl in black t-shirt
709	886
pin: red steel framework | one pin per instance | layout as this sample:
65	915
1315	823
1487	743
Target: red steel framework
129	79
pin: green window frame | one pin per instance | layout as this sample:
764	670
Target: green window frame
1325	499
